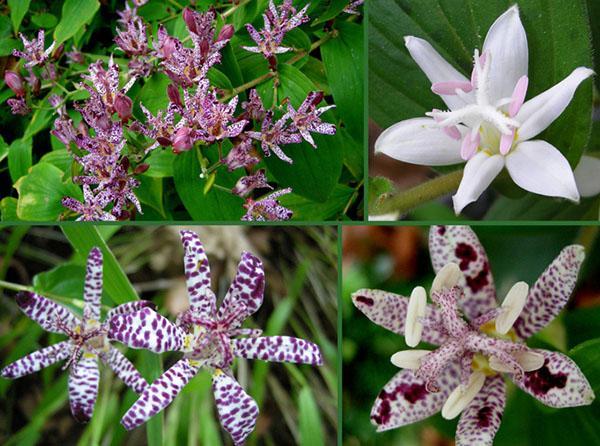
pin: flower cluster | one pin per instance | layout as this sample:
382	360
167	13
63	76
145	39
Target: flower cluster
489	124
209	338
463	376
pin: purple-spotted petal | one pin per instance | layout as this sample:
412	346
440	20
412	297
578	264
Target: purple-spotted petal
237	410
551	291
83	387
389	311
278	349
130	307
92	290
125	370
37	360
146	329
404	399
159	394
460	245
197	275
45	312
558	383
245	295
480	420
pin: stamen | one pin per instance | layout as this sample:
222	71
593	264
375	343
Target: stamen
452	131
413	328
462	396
529	360
448	277
449	88
469	144
506	142
511	307
408	359
518	96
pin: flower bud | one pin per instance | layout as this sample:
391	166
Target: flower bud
168	47
189	17
58	52
141	168
123	106
165	142
226	33
182	141
14	82
318	98
173	93
35	84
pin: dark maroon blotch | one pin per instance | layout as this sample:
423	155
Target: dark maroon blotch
484	416
466	254
365	300
542	380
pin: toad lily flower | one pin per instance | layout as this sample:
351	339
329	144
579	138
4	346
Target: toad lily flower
489	124
87	342
462	376
207	337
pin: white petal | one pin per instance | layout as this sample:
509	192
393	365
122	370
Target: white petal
480	171
435	67
539	167
539	112
587	176
506	45
419	141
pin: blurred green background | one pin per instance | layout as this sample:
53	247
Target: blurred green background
396	259
298	404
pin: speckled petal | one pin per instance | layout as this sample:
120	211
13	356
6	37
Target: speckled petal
125	370
551	291
197	275
45	312
237	410
130	307
460	245
146	329
389	311
245	295
278	349
37	360
404	399
83	387
159	394
92	290
480	420
558	383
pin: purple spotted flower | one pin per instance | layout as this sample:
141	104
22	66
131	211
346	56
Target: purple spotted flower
33	52
274	135
245	185
92	208
267	208
307	118
464	374
352	7
132	40
87	342
18	106
209	338
241	155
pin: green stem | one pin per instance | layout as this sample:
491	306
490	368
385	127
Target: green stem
234	8
224	189
404	201
353	196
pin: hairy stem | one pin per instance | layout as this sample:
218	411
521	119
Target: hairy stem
404	201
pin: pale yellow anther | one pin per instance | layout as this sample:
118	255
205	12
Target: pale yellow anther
448	277
512	306
187	342
408	359
462	396
413	328
194	363
528	360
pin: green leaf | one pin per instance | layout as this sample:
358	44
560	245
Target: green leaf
61	158
75	15
315	172
7	44
64	280
39	121
587	357
18	9
152	369
154	93
307	210
19	158
8	209
150	192
160	161
582	324
215	205
116	284
346	49
335	8
310	425
41	192
399	90
44	20
3	149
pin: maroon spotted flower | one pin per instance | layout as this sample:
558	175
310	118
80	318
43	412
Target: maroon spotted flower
307	118
209	338
463	376
267	208
87	342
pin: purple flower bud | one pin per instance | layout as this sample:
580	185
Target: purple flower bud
173	93
168	47
123	106
58	52
35	84
182	141
165	142
226	33
82	129
14	82
141	168
189	19
318	97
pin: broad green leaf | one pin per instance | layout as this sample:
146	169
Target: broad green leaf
315	172
154	93
335	8
309	420
307	210
3	149
534	207
64	280
347	85
315	71
7	45
559	41
216	204
594	14
61	158
19	158
150	192
18	9
39	121
75	15
41	192
44	20
8	209
582	324
587	357
85	237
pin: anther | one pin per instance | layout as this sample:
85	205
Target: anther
460	397
511	307
448	277
413	327
408	359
